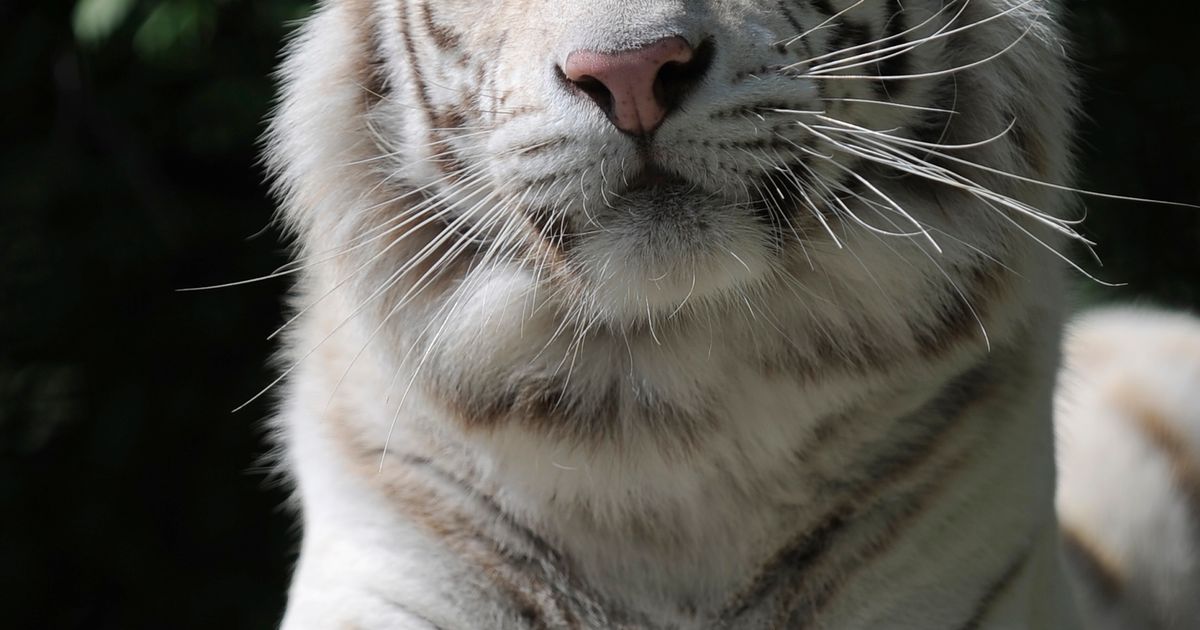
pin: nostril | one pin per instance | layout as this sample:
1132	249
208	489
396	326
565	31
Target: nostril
596	90
677	78
637	88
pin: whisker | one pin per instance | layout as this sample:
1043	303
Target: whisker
920	108
845	127
922	75
913	29
822	25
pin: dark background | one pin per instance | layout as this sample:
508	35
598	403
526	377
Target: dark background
130	496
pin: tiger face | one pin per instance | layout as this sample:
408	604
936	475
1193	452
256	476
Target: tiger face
834	185
738	168
657	152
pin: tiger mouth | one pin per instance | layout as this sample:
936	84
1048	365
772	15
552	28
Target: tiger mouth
655	178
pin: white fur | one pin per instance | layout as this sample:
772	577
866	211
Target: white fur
691	309
1117	487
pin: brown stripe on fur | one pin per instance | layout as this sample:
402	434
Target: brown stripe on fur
453	117
763	107
543	584
443	37
457	531
801	569
893	65
371	72
1031	147
513	113
932	126
547	406
866	356
497	52
853	350
414	62
435	513
1102	572
997	590
438	267
443	125
974	388
552	226
425	490
366	461
827	590
448	164
794	22
546	245
959	321
1156	427
540	146
534	578
546	180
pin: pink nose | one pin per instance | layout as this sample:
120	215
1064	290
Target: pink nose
637	88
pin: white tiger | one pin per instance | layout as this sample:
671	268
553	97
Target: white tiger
685	314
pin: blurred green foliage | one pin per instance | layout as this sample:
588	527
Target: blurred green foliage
132	497
95	20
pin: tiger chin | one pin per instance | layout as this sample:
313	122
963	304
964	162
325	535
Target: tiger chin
677	314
